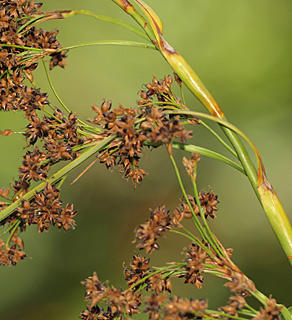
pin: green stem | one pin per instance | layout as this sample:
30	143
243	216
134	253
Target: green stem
191	237
244	158
53	89
218	137
195	218
15	226
196	221
213	241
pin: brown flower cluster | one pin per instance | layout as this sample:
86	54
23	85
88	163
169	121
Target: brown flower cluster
208	203
190	164
175	308
18	63
158	90
270	312
118	302
195	259
235	304
182	308
140	274
45	209
148	232
147	125
240	284
161	220
139	268
13	254
58	136
153	306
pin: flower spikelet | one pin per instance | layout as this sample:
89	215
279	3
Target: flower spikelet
270	312
195	258
240	284
138	269
148	233
153	305
95	291
179	308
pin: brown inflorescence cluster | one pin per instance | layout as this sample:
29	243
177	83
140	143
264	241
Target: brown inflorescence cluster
161	220
119	302
22	46
55	137
272	311
146	125
17	61
114	303
107	302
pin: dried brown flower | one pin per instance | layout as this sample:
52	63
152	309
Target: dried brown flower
148	233
195	258
94	313
191	163
158	284
95	291
138	269
271	311
208	202
179	308
10	256
241	284
6	132
58	59
235	303
65	218
153	305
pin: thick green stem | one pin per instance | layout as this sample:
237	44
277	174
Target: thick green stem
243	156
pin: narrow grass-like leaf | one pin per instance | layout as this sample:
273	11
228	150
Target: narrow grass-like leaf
112	42
67	14
31	21
207	153
22	47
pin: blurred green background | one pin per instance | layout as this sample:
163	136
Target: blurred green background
242	52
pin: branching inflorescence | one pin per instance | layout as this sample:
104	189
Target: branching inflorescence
116	137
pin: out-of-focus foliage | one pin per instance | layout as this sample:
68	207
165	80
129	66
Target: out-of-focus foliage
242	52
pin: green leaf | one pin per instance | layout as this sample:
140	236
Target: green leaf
207	153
